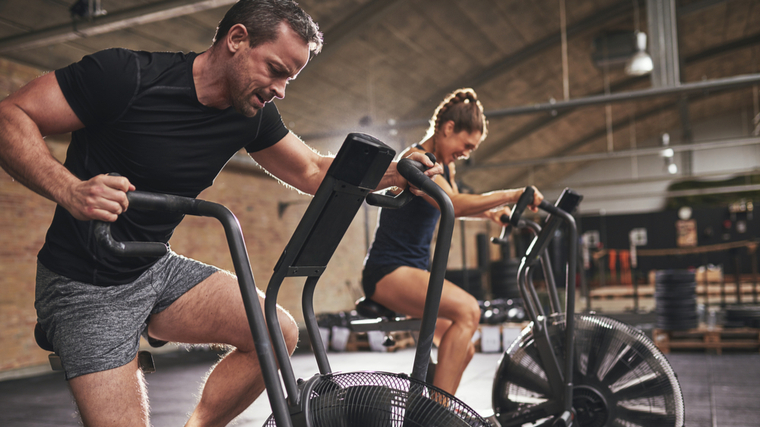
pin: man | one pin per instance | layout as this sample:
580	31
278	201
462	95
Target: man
165	122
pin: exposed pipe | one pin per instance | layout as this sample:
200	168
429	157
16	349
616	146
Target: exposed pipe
652	179
708	145
685	88
706	86
678	193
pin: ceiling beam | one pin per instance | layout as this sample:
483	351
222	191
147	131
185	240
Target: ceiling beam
353	25
107	23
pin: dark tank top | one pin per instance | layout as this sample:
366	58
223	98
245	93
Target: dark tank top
403	236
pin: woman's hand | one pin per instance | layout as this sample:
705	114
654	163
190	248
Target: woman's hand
496	214
433	169
537	199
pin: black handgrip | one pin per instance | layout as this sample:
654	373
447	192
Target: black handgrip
102	232
525	199
145	201
412	171
502	239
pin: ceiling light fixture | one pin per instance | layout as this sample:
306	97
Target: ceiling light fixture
640	63
668	154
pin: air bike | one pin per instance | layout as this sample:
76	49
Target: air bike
380	398
605	372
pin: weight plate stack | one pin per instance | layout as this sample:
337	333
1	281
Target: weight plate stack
676	300
504	279
743	316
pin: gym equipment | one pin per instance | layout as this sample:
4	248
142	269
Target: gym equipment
586	369
550	375
676	300
330	399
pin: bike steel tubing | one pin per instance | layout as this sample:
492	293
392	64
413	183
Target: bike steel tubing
522	271
312	327
280	348
195	207
532	290
546	267
569	298
438	269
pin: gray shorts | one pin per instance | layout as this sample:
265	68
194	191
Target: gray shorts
96	328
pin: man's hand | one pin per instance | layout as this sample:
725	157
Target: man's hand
102	197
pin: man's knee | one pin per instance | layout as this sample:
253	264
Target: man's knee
289	331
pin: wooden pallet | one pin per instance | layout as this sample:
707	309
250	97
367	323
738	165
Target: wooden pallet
621	292
713	291
713	339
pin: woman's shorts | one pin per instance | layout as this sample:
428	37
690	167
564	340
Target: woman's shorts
373	274
97	328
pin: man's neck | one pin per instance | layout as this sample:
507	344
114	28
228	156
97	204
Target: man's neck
209	83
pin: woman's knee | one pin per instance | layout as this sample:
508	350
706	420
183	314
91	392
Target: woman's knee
470	352
470	316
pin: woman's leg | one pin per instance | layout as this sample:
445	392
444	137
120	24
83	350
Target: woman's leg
404	291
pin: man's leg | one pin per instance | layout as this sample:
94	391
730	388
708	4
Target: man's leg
116	397
213	312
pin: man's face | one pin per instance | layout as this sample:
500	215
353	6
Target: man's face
260	74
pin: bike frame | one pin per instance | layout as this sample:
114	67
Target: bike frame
559	370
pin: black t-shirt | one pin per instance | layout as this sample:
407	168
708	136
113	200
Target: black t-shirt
143	121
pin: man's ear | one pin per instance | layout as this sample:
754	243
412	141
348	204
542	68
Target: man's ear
237	35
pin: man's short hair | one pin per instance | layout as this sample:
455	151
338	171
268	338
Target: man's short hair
263	17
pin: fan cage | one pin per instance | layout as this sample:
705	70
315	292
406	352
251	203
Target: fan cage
381	399
630	358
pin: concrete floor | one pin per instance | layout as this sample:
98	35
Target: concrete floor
718	390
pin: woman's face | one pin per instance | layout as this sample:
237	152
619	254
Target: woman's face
459	145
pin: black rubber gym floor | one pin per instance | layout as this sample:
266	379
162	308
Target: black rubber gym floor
719	390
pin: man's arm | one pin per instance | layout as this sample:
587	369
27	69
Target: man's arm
294	163
39	109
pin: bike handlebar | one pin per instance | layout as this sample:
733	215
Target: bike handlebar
145	201
412	171
525	199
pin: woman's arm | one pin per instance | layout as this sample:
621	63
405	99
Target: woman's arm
490	205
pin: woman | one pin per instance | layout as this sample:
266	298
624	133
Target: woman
396	268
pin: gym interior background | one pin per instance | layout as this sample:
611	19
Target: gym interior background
666	156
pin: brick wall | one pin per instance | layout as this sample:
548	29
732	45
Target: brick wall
23	221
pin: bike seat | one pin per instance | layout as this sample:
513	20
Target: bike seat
41	338
371	309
